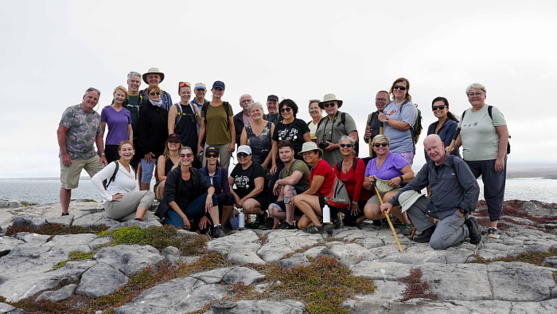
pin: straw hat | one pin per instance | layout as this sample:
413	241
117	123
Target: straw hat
308	147
328	98
153	71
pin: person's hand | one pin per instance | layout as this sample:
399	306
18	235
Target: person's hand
449	149
277	188
186	221
394	181
200	151
386	207
332	146
231	148
117	197
381	117
264	166
459	213
103	160
208	203
240	203
367	135
499	164
273	170
66	160
149	157
203	222
355	210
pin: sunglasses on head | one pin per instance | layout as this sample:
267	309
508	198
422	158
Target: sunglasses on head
399	87
242	155
182	84
438	107
212	155
329	104
285	109
154	93
380	144
346	145
186	155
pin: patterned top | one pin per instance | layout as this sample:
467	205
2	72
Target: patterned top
260	145
83	127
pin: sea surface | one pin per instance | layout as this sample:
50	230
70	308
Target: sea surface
46	191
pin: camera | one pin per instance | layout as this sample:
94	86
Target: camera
323	145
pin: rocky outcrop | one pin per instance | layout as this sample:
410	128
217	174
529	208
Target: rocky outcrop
27	261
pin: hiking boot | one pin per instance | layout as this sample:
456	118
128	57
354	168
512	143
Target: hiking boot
313	229
493	233
286	226
425	236
405	229
329	228
218	232
377	223
474	230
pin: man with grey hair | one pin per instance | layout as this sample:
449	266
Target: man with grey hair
78	132
242	118
133	103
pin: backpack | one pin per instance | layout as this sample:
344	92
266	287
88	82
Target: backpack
113	177
338	165
416	129
338	196
225	106
180	113
342	121
490	112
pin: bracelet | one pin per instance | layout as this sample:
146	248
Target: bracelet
401	179
103	154
354	203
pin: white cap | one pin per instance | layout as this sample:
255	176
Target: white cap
244	149
200	85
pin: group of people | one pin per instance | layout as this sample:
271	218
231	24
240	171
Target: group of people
286	166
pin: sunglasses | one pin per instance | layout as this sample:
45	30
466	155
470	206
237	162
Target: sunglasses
286	109
381	144
242	155
381	99
329	104
173	142
182	84
212	155
186	155
478	94
346	145
438	107
399	87
154	93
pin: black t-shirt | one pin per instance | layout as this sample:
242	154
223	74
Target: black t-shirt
244	180
186	194
294	132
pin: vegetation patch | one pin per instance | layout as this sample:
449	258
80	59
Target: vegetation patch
415	287
53	229
159	238
535	258
75	256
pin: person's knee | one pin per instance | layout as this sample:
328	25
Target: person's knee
437	243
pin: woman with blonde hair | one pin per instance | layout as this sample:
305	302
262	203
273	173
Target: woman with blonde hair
119	122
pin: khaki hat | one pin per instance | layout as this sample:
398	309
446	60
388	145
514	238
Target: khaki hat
308	147
383	185
328	98
154	71
408	198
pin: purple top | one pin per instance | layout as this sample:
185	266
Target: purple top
391	167
117	122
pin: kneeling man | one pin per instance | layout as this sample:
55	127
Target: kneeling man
454	194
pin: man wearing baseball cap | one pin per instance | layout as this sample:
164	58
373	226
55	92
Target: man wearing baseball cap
200	90
272	115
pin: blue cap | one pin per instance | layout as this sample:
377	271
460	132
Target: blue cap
218	84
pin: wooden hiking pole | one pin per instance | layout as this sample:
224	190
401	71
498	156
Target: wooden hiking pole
451	147
388	219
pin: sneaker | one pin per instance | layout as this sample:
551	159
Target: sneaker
313	229
405	229
286	226
425	236
474	230
493	233
218	232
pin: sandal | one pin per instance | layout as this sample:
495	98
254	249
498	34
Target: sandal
313	229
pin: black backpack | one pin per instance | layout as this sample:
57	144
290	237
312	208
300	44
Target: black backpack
342	121
225	105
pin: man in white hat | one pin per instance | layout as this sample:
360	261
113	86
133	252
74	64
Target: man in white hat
155	77
454	194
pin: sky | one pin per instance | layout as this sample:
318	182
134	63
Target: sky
53	50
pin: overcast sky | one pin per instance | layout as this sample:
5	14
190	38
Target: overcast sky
53	50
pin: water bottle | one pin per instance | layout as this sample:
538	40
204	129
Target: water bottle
241	220
326	214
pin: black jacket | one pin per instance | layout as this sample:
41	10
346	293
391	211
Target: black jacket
238	125
152	129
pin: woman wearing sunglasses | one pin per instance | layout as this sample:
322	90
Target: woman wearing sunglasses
169	159
152	132
219	179
398	117
393	170
184	118
191	197
257	135
446	123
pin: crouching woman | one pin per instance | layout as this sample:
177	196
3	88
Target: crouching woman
122	196
190	196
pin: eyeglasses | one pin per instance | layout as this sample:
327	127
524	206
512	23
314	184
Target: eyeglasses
186	155
438	107
242	155
380	144
329	104
212	155
346	145
155	93
399	87
381	99
478	94
182	84
286	109
173	142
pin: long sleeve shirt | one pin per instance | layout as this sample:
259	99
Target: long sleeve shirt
123	183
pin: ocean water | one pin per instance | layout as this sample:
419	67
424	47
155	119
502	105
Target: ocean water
46	191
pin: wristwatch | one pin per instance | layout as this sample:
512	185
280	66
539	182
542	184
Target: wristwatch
354	203
463	211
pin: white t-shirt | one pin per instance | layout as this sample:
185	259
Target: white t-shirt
480	140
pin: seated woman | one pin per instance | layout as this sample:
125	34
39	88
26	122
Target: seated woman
321	181
247	182
257	135
122	196
392	168
190	196
350	170
170	158
219	179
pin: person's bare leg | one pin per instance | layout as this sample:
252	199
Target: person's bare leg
214	213
140	212
65	197
289	208
309	205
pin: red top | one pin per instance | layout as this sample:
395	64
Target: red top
353	180
322	168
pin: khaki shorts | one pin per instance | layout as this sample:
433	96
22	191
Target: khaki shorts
69	176
375	200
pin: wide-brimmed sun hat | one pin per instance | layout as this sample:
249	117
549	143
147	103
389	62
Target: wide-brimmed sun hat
328	98
408	198
153	71
308	147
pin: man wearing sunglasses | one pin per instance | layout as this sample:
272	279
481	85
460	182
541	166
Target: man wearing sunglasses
155	77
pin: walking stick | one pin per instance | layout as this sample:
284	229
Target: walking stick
451	147
388	219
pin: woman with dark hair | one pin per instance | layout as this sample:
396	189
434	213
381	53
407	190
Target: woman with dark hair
219	179
316	114
170	157
190	196
398	117
290	128
446	123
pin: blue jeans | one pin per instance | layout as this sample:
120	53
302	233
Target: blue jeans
195	210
